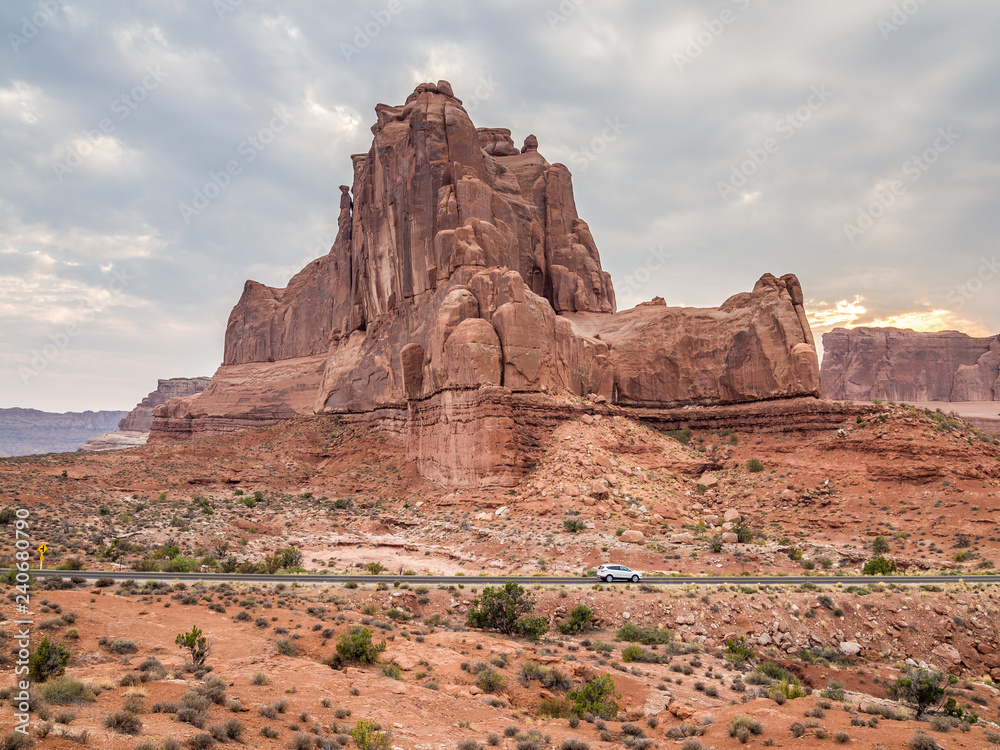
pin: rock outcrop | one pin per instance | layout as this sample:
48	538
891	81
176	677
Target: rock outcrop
463	306
903	365
133	428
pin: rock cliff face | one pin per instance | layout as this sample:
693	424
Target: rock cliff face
134	428
904	365
464	297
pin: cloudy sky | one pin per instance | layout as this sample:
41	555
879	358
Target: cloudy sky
854	144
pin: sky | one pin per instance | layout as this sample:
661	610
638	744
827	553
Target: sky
157	155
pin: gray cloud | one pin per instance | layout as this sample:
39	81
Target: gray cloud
528	66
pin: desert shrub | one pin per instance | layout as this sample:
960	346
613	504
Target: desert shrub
632	730
532	627
755	466
201	741
597	697
501	608
269	732
941	723
489	680
579	620
574	525
573	743
268	712
842	737
692	744
122	646
285	647
368	736
124	722
744	724
739	651
922	741
797	729
356	646
879	566
556	708
66	691
645	636
550	677
510	731
164	707
152	668
48	660
16	741
468	744
259	678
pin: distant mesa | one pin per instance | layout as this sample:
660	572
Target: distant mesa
463	309
894	364
26	432
133	428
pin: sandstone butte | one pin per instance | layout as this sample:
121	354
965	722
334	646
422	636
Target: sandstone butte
904	365
463	309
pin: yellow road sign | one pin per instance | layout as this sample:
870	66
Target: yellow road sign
42	549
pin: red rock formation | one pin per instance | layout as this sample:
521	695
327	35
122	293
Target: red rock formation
462	288
904	365
140	419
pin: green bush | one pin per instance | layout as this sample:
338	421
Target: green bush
579	620
356	646
879	566
66	691
489	680
574	525
739	651
501	608
755	466
645	636
597	697
367	736
48	660
880	546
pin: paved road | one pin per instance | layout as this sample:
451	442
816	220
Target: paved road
910	580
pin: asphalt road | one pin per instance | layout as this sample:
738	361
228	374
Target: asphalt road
909	580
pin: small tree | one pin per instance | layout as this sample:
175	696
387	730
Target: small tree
921	688
196	643
880	546
597	697
48	660
501	608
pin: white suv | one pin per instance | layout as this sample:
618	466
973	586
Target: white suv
610	572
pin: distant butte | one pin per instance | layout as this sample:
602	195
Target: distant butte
463	309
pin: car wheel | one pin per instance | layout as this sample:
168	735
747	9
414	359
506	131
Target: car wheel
635	579
608	578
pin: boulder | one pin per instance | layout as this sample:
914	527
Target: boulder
633	537
850	648
946	655
729	537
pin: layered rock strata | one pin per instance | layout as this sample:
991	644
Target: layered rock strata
464	298
903	365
